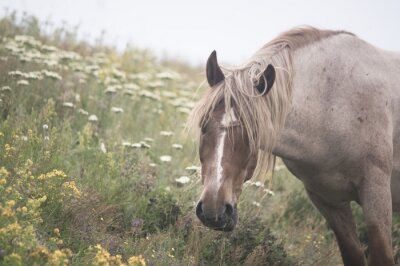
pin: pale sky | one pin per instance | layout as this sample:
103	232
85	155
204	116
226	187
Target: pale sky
190	30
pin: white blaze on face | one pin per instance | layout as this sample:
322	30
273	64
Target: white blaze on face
227	119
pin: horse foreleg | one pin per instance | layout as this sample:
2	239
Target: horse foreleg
376	203
340	219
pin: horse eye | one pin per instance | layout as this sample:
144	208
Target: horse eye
203	130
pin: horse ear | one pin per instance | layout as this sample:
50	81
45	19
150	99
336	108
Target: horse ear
269	76
213	71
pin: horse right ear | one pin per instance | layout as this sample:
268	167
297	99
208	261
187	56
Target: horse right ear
213	71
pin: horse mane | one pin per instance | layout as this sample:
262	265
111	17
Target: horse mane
261	116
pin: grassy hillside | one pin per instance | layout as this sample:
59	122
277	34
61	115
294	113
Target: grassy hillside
92	153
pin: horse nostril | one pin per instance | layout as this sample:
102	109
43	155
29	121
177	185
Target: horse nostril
199	209
228	209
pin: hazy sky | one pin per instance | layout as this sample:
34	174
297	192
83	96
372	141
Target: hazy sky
190	30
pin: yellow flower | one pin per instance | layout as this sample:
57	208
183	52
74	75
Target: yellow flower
3	181
56	231
13	228
4	172
70	185
28	163
10	203
13	259
136	261
8	149
39	251
58	258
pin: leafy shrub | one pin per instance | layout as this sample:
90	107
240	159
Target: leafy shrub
158	210
251	243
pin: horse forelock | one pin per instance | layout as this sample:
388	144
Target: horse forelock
262	117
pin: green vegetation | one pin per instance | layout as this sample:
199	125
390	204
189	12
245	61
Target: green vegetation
92	143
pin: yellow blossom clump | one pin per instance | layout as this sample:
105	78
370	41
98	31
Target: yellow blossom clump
8	150
7	210
13	259
3	172
57	258
71	189
3	181
103	257
136	261
11	229
39	252
52	174
56	231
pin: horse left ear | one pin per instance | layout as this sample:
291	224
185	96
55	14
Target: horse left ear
269	77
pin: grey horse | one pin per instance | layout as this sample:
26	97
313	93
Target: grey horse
327	103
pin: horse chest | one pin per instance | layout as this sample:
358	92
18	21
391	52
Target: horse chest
333	186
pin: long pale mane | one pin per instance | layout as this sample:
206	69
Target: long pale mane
261	116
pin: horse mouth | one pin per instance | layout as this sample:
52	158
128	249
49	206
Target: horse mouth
228	227
225	223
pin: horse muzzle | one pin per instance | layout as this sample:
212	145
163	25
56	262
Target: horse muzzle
223	219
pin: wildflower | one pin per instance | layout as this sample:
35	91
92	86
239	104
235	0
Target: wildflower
48	48
255	203
166	133
70	185
93	118
182	180
132	87
118	73
16	73
177	146
193	169
58	257
3	181
117	110
51	74
103	147
68	105
136	261
136	145
56	231
165	158
126	144
81	111
148	139
45	127
128	92
183	110
10	203
144	145
6	89
168	75
111	90
155	84
12	259
149	94
8	150
269	192
23	82
169	94
152	164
